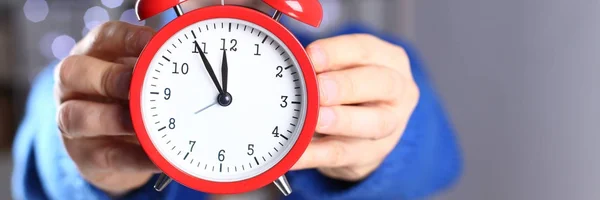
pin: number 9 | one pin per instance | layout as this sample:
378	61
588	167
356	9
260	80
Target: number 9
167	93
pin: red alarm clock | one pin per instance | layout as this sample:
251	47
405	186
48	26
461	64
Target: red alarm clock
224	99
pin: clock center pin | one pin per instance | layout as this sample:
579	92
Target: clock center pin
224	99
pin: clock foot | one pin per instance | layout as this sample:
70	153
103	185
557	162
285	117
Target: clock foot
162	182
283	185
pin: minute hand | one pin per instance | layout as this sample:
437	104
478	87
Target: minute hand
209	68
224	71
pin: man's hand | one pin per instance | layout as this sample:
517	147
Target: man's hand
92	87
367	95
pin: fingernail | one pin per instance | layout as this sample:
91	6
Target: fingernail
122	84
328	91
326	117
318	58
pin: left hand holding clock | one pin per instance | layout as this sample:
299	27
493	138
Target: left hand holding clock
367	95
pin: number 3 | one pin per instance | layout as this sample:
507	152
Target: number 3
284	101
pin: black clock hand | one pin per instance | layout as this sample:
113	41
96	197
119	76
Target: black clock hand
224	70
209	68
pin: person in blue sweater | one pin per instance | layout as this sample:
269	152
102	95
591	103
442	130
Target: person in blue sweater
384	132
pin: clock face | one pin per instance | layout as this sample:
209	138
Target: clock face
223	143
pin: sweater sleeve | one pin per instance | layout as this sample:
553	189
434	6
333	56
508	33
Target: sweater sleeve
425	161
42	167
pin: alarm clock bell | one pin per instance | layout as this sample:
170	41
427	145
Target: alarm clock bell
306	11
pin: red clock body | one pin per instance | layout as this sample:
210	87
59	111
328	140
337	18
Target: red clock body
141	75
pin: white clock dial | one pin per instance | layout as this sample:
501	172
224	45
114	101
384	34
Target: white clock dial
224	143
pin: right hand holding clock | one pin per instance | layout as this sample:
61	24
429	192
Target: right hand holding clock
92	87
367	96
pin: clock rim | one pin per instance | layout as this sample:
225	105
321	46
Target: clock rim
287	38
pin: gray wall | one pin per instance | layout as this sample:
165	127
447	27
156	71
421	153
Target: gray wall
520	80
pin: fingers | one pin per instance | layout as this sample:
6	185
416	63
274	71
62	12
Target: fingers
332	151
108	154
102	62
359	85
129	61
93	76
348	51
83	119
364	122
114	39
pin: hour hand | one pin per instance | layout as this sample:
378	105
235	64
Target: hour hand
209	68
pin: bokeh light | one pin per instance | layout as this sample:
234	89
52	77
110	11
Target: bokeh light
61	11
95	16
112	3
35	10
62	45
129	16
46	44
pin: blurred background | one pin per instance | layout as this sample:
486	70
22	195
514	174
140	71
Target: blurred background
518	79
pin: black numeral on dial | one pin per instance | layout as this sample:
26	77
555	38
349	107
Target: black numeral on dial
275	131
250	149
192	143
221	155
167	93
279	71
233	43
196	50
283	101
184	68
172	123
257	50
